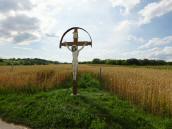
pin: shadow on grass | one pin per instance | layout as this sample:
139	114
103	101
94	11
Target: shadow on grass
116	121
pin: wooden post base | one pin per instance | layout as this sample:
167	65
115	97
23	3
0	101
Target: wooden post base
75	91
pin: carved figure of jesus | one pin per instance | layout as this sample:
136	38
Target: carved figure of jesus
75	52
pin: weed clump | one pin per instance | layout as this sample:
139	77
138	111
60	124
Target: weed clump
88	80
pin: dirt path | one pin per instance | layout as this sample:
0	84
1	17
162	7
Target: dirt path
5	125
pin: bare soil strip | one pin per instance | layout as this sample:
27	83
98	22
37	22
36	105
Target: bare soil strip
5	125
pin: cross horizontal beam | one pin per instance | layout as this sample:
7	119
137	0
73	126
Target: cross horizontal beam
80	43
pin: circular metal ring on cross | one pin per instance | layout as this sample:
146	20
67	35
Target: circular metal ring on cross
79	43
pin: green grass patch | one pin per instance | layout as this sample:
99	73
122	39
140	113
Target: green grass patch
88	80
93	108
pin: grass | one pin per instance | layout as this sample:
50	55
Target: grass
94	108
149	88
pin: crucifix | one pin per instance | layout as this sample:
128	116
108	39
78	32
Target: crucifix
73	46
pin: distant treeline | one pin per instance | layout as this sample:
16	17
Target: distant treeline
132	61
36	61
26	61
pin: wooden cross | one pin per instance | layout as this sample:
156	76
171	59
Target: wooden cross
75	51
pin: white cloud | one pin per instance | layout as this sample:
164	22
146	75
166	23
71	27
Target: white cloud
155	9
45	21
46	17
157	42
137	40
23	48
146	15
155	48
128	5
162	53
168	51
123	26
126	25
153	53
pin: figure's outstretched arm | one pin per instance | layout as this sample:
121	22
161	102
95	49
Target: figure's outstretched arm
82	47
68	47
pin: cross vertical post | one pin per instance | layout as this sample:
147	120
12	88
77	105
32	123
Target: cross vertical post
75	64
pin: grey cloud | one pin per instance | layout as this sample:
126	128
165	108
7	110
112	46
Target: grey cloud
24	37
20	23
19	28
4	33
8	5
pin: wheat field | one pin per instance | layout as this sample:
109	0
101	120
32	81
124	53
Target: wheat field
32	77
148	88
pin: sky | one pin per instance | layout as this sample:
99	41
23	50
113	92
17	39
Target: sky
120	29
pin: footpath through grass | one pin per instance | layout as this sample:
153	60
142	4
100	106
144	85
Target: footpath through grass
94	108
